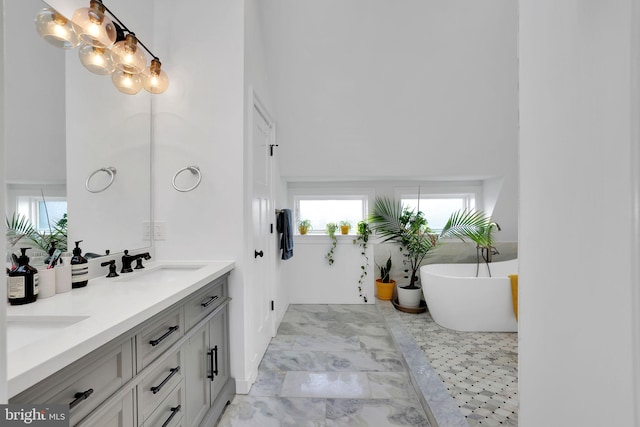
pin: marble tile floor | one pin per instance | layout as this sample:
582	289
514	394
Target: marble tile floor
478	369
330	365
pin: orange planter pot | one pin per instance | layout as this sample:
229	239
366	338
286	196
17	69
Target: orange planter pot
344	229
385	290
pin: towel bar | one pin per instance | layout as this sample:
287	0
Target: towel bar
111	171
194	170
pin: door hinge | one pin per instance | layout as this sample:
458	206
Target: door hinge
273	305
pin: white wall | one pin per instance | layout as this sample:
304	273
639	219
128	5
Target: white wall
3	284
425	89
200	121
35	99
311	280
576	335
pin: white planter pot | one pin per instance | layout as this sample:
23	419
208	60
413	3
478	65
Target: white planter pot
409	298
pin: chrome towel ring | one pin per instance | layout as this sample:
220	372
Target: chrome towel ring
111	171
194	170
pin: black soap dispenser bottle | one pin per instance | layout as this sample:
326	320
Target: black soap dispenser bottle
22	282
79	268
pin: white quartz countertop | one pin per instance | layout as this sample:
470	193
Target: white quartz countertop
103	310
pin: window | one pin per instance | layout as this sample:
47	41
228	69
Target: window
438	208
35	209
323	209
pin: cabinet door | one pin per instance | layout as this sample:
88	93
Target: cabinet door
219	345
196	362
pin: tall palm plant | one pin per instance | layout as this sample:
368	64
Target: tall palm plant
408	227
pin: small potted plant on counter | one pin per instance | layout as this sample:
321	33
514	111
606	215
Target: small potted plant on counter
385	284
345	226
304	226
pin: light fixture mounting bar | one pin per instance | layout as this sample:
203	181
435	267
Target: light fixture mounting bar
124	28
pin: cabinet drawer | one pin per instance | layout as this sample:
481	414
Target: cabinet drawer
116	414
157	384
205	301
85	384
157	335
170	411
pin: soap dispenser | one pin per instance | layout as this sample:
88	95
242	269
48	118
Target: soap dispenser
79	268
22	282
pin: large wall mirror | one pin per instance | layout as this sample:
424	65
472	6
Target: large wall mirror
63	123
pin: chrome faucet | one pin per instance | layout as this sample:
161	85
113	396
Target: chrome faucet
128	259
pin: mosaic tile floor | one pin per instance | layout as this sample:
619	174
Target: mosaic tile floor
478	369
329	365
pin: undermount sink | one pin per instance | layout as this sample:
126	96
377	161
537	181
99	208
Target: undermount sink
162	273
24	330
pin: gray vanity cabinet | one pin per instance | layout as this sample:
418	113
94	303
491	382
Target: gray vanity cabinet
208	383
87	383
171	370
118	413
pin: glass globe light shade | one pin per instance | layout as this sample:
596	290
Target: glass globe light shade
96	59
154	79
128	56
96	29
126	82
56	29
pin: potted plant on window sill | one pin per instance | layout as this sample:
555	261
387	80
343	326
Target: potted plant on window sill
345	226
408	227
385	284
304	226
331	229
362	239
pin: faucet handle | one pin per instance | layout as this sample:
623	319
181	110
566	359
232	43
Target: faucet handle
112	268
138	264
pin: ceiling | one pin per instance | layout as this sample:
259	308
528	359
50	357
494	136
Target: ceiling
360	76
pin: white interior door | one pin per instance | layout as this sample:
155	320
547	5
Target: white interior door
260	298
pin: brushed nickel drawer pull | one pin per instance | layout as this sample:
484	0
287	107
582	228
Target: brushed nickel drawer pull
209	301
174	411
159	340
159	386
80	397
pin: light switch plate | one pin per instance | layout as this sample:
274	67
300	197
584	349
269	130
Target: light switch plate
159	230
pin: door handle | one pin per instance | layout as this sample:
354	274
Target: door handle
257	254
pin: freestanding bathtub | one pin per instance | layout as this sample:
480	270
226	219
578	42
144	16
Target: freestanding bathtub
458	300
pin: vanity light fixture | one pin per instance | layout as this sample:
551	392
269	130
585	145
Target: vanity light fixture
96	59
127	56
154	79
107	46
126	82
56	29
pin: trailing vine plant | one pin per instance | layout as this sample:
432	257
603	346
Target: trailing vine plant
331	231
364	231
